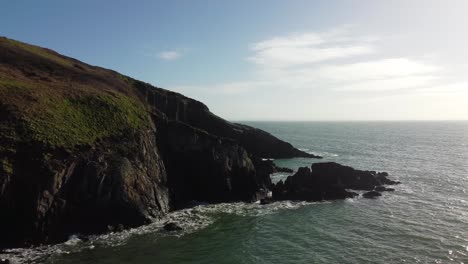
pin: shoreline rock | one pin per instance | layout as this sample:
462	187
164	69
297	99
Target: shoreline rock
267	200
371	194
329	181
283	169
171	226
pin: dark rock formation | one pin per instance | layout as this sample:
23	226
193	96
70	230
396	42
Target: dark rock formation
171	226
83	148
371	194
283	169
207	168
306	186
110	183
267	200
327	181
176	107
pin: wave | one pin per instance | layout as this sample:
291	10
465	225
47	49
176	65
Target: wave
322	153
191	220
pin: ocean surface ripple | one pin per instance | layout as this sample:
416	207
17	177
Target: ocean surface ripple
424	221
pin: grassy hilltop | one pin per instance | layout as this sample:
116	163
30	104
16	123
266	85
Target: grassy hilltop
60	101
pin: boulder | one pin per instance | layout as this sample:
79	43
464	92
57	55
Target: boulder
266	201
171	226
371	194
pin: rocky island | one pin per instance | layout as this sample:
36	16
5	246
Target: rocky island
86	150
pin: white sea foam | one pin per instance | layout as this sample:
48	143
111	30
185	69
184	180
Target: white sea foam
191	220
322	153
73	240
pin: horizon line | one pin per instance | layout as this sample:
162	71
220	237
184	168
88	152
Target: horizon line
352	120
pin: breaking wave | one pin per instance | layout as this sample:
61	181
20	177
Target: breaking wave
191	220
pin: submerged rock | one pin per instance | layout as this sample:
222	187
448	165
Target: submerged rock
371	194
171	226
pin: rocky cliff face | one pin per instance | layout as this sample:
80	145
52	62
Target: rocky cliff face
84	149
50	193
204	167
176	107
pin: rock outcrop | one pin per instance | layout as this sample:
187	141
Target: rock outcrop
207	168
176	107
371	194
85	150
171	227
114	182
329	181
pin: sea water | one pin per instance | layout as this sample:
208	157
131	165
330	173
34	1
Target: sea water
424	221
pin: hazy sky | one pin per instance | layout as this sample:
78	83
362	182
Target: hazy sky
271	60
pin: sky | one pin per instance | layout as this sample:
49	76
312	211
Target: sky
270	59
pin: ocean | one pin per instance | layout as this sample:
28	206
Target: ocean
424	221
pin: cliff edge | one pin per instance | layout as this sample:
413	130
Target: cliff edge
85	149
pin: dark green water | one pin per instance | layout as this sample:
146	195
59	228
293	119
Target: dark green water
424	221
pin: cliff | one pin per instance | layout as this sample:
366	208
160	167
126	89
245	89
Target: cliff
84	149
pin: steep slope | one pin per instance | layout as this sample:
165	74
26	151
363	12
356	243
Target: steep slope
177	107
84	149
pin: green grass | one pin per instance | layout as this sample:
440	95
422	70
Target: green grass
70	122
7	167
8	83
48	115
49	106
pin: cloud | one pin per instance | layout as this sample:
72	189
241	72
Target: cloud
296	40
388	84
307	48
460	88
169	55
332	75
294	56
378	69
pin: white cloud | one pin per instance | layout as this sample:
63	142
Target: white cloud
334	74
296	40
444	89
378	69
169	55
307	48
294	56
388	84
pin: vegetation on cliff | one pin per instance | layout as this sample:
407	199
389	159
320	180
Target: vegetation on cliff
57	110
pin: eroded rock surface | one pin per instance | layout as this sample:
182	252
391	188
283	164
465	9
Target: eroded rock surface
329	181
